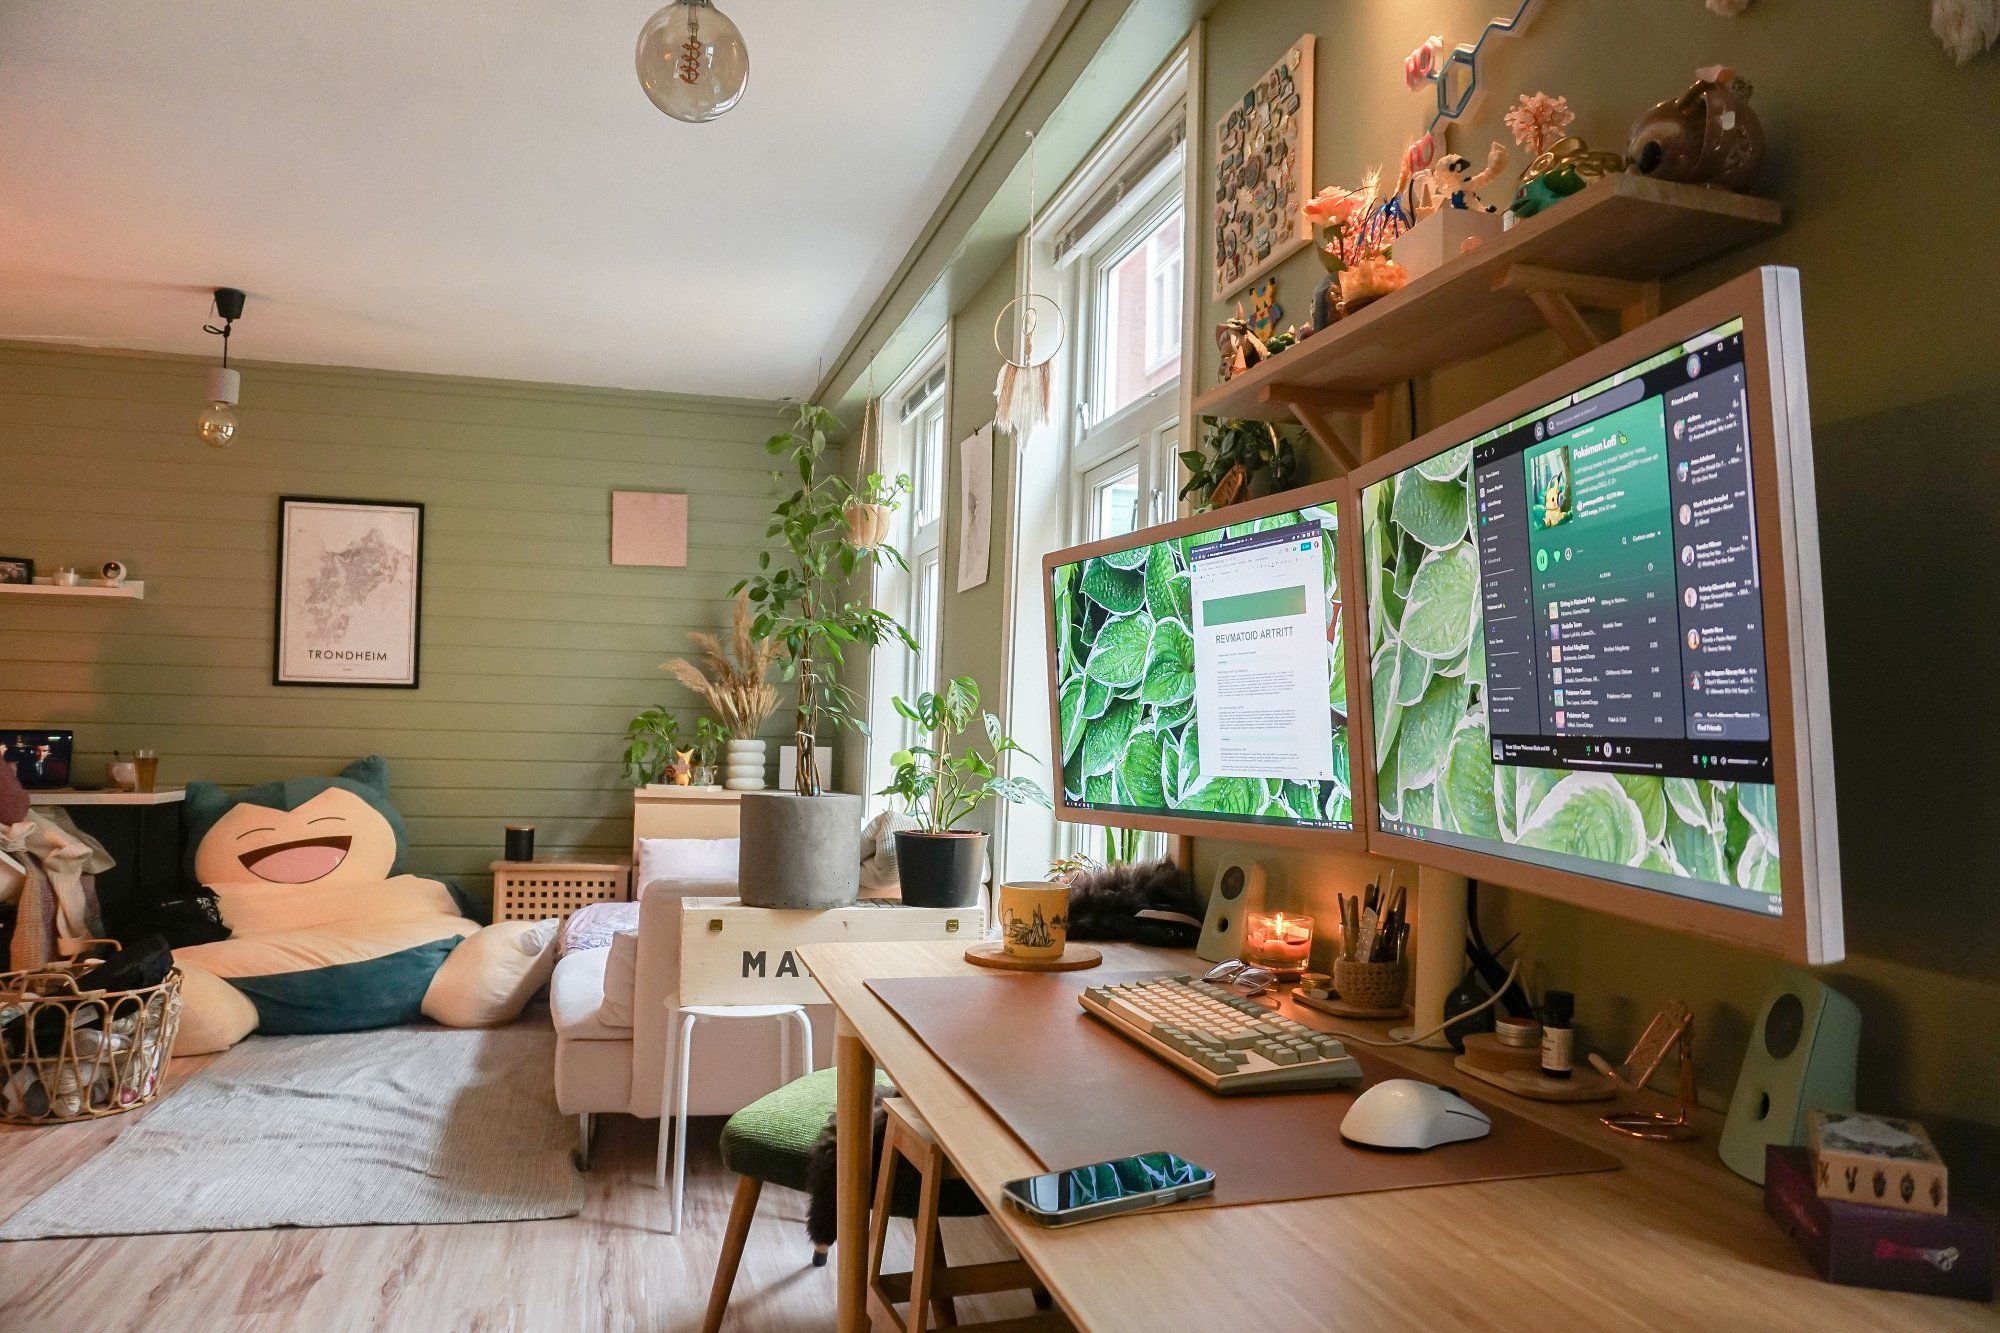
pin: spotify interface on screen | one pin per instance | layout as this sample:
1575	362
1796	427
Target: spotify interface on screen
1619	578
1260	657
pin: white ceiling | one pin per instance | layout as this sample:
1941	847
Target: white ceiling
479	187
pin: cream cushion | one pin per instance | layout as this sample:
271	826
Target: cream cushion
490	977
686	859
214	1014
621	979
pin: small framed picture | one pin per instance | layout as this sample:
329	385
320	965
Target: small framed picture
350	592
16	569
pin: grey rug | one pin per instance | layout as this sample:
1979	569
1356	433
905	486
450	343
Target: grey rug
414	1125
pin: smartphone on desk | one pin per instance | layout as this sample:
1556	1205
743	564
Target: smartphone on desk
1105	1189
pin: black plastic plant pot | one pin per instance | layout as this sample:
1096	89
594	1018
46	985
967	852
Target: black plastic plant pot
941	869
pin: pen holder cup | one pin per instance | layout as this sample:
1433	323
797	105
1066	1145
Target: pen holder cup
1371	985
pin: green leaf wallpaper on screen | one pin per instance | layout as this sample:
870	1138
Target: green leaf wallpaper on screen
1125	666
1434	759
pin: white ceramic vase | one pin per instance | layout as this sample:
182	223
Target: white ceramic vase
743	766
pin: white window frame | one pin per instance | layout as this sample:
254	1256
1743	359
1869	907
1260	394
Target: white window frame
1054	464
914	596
1163	336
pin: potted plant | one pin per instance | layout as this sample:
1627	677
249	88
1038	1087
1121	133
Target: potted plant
709	738
1244	460
799	848
942	783
651	739
736	687
872	503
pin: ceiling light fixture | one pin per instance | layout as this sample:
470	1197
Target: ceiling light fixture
217	422
692	61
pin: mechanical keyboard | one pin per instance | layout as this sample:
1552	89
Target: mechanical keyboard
1219	1039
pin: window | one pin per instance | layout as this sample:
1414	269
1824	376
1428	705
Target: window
913	441
1137	316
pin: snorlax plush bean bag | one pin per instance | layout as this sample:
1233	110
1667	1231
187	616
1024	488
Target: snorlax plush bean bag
327	931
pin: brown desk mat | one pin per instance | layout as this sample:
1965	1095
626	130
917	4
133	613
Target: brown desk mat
1075	1092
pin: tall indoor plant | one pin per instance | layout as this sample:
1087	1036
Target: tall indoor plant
943	782
798	848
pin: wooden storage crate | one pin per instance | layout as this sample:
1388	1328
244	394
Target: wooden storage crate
732	954
532	890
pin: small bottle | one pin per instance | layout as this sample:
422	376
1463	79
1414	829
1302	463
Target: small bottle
1558	1037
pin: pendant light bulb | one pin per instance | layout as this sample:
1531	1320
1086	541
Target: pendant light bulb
692	61
217	423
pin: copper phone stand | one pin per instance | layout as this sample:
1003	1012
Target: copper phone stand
1671	1028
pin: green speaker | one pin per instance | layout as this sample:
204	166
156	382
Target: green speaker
1801	1058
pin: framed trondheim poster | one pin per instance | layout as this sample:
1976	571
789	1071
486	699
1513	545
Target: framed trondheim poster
350	592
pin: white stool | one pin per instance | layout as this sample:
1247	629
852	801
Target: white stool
676	1082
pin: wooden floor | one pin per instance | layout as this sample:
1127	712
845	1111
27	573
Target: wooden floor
612	1267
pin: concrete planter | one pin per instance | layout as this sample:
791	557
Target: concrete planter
799	851
941	869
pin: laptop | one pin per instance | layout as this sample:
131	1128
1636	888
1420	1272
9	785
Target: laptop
41	759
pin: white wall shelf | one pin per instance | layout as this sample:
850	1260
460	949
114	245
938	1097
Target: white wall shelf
89	588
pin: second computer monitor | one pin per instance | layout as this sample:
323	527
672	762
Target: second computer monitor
1595	658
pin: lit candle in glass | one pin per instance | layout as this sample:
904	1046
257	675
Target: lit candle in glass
1277	941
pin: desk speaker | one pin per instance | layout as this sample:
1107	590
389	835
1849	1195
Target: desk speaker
1802	1055
1239	886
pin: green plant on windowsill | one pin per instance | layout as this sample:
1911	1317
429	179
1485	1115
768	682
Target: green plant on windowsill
1242	460
940	788
650	741
941	783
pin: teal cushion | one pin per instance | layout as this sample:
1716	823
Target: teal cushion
772	1138
347	997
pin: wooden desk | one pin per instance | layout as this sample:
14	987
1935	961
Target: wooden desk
1671	1241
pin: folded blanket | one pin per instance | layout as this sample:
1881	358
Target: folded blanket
592	927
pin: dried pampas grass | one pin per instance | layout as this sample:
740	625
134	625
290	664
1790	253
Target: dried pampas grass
734	683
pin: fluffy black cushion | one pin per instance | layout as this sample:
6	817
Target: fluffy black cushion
1152	902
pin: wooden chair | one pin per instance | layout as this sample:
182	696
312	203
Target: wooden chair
932	1284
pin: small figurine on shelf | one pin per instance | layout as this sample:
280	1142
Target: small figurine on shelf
1452	183
1706	136
1538	121
1240	346
1265	312
1357	233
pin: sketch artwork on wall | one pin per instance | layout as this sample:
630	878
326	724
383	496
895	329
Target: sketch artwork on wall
350	592
1263	172
975	507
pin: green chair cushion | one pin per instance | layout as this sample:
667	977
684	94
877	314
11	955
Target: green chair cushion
772	1138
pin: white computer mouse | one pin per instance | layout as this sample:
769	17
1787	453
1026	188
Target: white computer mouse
1403	1113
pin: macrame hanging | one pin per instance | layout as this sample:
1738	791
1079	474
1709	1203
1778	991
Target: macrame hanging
1021	397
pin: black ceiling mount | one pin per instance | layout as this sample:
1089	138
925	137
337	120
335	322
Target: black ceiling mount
229	303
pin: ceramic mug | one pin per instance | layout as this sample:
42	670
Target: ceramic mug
122	774
1034	920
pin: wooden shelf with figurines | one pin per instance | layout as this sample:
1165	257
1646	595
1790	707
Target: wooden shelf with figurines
1583	233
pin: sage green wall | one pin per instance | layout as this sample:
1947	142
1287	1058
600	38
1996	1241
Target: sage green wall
1872	133
536	652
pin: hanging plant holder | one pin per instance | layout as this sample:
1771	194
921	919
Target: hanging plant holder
867	520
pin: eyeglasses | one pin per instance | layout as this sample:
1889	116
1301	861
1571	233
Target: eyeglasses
1241	977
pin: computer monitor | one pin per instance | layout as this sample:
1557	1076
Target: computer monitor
1596	664
1198	675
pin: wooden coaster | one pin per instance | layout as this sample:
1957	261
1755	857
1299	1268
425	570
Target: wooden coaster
1342	1009
1582	1086
1075	957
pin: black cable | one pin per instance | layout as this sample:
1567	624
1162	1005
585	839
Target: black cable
1486	961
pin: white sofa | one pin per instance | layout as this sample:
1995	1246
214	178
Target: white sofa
605	1065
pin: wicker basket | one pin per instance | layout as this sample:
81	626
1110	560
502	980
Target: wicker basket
1371	985
70	1054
